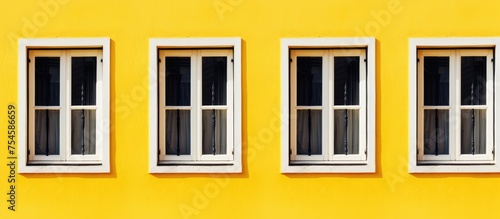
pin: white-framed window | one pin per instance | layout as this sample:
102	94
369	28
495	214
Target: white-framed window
328	103
195	115
64	105
452	106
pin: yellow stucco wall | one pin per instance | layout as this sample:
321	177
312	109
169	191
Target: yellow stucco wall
261	191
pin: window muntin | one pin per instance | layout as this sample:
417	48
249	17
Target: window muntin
327	105
63	105
196	106
455	105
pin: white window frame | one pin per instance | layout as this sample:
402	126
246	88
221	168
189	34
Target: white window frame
328	48
455	162
64	48
195	48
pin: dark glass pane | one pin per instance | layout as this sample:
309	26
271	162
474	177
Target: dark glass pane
178	81
214	132
178	132
83	80
436	132
309	132
473	131
214	80
309	81
47	71
473	80
346	77
83	132
346	132
436	81
47	132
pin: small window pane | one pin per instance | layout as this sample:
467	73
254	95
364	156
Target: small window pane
214	132
178	132
346	80
47	71
346	132
436	132
83	132
178	81
309	132
309	81
473	131
214	71
436	81
473	80
47	132
83	80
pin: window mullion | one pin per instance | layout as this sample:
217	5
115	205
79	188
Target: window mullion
65	102
197	107
327	103
455	103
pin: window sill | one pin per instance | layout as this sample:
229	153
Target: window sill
196	167
329	168
64	167
455	167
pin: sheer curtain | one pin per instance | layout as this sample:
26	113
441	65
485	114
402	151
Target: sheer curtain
473	86
83	93
309	93
214	93
46	91
346	93
178	94
436	93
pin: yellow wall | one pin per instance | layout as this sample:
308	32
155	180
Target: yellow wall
261	191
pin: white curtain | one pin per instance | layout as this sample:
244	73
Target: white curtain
214	131
473	133
309	132
83	132
436	132
47	132
178	132
346	137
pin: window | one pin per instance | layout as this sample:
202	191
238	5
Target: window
329	84
454	112
198	110
67	99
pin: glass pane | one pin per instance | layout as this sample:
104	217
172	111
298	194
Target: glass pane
473	132
83	80
473	80
178	132
47	71
309	78
83	132
214	129
214	80
436	132
346	80
47	132
178	81
309	132
346	132
436	81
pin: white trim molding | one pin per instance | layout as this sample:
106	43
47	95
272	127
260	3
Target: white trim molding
198	165
336	164
487	163
74	165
